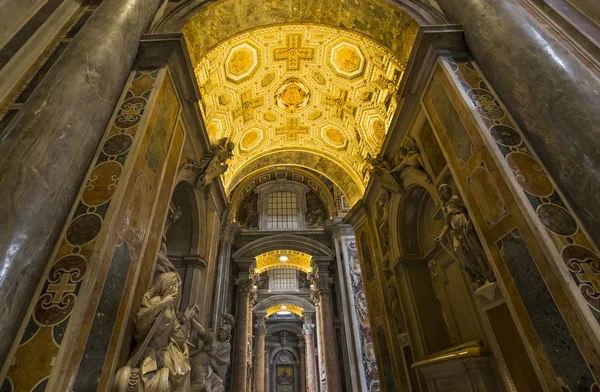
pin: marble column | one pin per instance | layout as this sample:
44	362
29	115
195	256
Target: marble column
268	369
240	353
47	149
302	351
329	351
259	365
309	336
321	370
549	91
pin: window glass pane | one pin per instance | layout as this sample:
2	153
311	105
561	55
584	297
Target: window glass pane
283	279
281	211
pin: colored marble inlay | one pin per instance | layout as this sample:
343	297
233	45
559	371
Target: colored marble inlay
457	133
552	330
96	347
32	362
548	206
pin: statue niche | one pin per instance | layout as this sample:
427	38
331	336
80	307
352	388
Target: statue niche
212	164
466	248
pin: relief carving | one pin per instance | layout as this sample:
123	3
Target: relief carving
466	248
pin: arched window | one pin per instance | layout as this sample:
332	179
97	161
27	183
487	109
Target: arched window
282	205
282	211
283	279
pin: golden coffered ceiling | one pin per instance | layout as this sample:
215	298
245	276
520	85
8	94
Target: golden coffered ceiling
284	308
271	260
309	88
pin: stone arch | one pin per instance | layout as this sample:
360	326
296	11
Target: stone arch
183	235
287	348
283	241
400	204
422	13
343	178
262	306
280	327
296	174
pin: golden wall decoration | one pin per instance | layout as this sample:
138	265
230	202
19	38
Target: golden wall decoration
305	87
277	259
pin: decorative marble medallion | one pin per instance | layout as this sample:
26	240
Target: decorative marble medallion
292	95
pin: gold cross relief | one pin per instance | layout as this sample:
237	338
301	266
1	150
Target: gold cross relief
589	276
291	130
61	288
340	104
248	106
293	53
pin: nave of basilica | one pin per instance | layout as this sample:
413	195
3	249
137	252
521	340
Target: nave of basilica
299	196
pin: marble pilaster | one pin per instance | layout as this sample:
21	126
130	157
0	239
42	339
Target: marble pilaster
259	365
47	149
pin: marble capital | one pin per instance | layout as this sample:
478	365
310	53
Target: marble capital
308	329
244	286
261	329
324	284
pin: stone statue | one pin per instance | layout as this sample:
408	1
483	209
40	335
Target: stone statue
284	378
162	353
406	158
211	356
213	164
163	264
393	297
465	243
283	338
382	202
382	170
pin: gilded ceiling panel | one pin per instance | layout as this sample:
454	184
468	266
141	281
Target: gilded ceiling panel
283	259
284	308
308	87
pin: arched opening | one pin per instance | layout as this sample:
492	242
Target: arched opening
182	235
445	310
